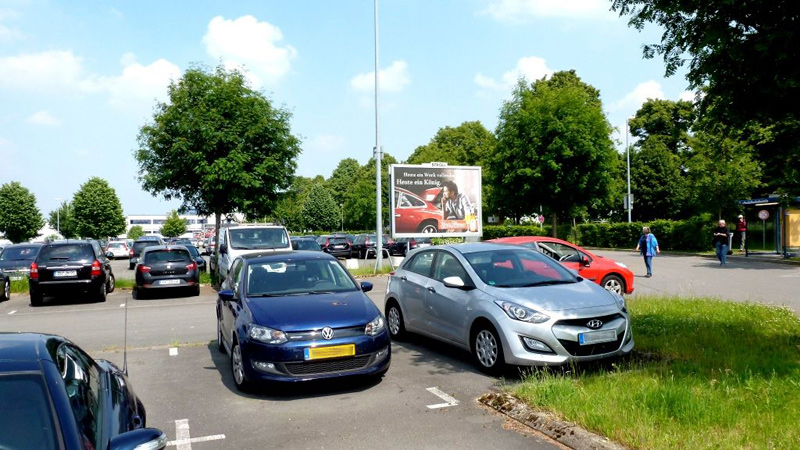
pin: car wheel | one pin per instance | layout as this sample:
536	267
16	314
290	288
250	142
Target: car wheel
36	298
613	283
362	254
237	367
405	252
101	296
112	283
196	291
220	344
130	266
488	349
394	319
6	290
428	227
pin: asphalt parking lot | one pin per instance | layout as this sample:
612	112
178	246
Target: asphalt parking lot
187	387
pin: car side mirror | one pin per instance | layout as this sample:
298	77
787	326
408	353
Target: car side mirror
149	438
456	283
223	249
366	286
226	295
109	255
585	261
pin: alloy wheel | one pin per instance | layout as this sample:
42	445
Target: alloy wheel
236	365
486	348
7	290
394	321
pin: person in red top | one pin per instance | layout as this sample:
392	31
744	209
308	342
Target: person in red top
741	230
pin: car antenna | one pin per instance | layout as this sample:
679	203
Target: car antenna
125	344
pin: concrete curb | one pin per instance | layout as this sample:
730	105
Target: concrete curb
563	432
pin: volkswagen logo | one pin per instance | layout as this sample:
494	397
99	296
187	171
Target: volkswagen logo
327	333
593	324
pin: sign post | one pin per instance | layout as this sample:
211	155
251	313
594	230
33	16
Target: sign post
763	215
540	219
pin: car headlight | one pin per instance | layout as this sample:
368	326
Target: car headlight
620	300
522	313
375	327
266	335
621	265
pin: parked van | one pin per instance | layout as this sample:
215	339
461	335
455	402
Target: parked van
242	239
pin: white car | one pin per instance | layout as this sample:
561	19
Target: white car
238	240
118	248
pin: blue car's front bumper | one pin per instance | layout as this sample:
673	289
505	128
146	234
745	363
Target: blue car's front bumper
287	362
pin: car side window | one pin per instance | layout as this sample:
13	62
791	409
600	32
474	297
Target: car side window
82	384
421	263
97	250
236	275
448	266
565	253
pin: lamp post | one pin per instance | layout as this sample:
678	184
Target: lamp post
341	209
58	215
628	157
378	154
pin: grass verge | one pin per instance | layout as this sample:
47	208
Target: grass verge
716	374
369	271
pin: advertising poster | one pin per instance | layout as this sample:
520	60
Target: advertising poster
435	200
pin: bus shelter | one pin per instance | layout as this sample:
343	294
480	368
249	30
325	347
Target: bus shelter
782	216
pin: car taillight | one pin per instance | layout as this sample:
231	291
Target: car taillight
413	243
96	268
192	266
34	271
131	253
143	269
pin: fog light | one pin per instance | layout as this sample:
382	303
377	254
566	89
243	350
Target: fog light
628	336
536	346
265	366
381	354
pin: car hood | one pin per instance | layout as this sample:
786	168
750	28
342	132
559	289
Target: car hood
308	312
560	297
15	265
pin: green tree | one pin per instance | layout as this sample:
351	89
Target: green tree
464	145
218	145
743	55
96	210
359	205
136	232
343	176
554	149
174	226
320	211
61	219
20	219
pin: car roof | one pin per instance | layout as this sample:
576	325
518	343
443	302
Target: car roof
71	242
147	238
35	244
155	248
474	247
294	255
18	350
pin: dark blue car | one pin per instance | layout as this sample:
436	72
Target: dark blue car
296	316
54	396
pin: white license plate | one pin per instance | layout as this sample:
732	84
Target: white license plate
338	246
169	282
597	337
65	273
16	277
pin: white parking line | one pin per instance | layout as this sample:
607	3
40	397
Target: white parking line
12	312
184	441
437	392
122	305
173	351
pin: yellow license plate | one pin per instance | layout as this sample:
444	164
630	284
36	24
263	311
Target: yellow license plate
334	351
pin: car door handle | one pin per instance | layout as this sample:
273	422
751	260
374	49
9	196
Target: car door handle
431	289
403	278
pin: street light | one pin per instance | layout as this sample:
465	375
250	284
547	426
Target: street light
58	216
341	208
628	201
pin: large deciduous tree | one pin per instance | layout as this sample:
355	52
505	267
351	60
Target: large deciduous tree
20	219
359	205
174	226
554	149
343	176
97	211
464	145
61	219
743	54
320	211
218	145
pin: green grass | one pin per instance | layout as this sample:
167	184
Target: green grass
367	271
705	374
124	284
19	286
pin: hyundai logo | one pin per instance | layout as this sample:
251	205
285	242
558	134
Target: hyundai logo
327	333
594	324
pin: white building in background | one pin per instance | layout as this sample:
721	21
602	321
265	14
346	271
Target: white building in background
152	223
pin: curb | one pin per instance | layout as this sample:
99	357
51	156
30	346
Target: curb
565	433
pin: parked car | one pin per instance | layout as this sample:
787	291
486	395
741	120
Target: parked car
166	267
71	266
402	246
306	244
5	294
238	240
415	215
297	316
506	305
209	246
364	242
119	249
139	245
612	275
55	396
15	260
198	258
335	245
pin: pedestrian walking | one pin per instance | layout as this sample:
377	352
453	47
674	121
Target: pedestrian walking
741	230
648	247
720	241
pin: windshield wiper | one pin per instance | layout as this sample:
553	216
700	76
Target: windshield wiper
546	283
266	295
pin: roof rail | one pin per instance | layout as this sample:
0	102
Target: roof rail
252	224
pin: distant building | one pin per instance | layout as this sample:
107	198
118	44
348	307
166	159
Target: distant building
152	223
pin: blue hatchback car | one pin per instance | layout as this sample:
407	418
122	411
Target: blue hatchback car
296	316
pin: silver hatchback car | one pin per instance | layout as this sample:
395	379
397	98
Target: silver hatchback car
506	305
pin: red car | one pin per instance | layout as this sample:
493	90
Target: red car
606	272
413	214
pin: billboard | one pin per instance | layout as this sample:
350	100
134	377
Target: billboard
435	200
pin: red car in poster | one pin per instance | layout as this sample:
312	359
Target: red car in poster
413	214
612	275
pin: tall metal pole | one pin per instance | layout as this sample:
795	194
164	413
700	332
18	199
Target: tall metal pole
58	216
378	154
628	156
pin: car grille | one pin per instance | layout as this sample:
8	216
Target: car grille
582	322
316	335
575	349
318	367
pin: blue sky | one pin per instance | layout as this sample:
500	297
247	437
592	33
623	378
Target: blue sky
79	78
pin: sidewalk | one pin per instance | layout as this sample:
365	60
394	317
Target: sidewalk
770	257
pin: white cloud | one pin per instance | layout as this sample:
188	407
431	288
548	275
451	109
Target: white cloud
391	79
252	45
44	118
521	10
138	87
687	96
326	143
47	72
634	99
530	67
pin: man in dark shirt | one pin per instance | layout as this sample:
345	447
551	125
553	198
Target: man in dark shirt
721	237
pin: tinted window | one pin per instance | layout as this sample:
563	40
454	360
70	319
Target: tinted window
82	383
295	277
448	266
517	268
421	263
338	241
305	244
117	245
19	254
139	246
173	255
256	238
27	417
77	252
193	251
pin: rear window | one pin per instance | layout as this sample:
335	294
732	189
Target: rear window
338	240
28	419
139	246
305	244
117	245
258	238
19	254
77	252
174	255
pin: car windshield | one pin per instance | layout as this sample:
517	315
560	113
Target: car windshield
258	238
117	245
77	252
19	254
272	279
172	255
518	268
28	418
305	244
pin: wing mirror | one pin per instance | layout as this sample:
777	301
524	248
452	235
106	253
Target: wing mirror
366	286
456	283
109	255
226	295
223	248
144	438
584	260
